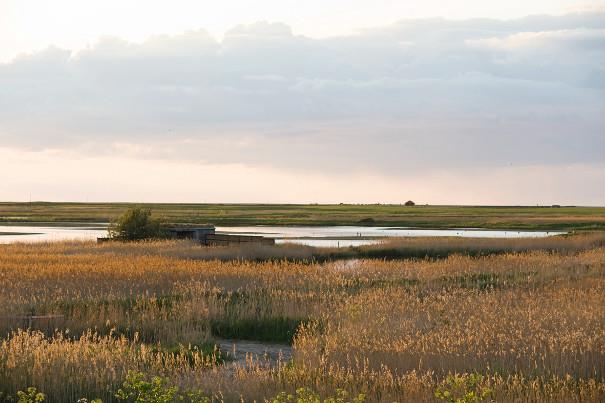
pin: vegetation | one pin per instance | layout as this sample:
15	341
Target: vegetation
307	395
141	321
463	389
136	224
138	389
522	218
31	395
394	248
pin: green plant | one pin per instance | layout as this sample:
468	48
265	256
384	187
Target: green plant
139	389
136	224
31	395
276	329
465	388
306	395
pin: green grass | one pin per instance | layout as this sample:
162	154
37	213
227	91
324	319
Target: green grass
267	329
208	350
504	217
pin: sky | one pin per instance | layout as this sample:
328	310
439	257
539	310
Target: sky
441	102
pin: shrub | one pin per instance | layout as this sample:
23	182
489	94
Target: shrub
306	395
139	389
136	224
463	389
31	395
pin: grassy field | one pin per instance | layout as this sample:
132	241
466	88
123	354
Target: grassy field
391	248
529	218
522	321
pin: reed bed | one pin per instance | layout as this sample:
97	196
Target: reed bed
526	325
441	247
92	365
388	248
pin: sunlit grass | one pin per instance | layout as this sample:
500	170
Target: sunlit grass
531	323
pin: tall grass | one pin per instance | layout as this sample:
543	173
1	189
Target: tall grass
530	321
91	366
388	248
440	247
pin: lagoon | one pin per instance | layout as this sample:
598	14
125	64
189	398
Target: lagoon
320	236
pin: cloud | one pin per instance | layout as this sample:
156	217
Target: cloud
552	40
416	96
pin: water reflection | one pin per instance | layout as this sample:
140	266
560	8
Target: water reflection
10	234
344	236
333	236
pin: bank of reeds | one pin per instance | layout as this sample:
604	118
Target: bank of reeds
388	248
531	323
441	247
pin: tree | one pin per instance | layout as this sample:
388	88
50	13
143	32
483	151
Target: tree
410	203
136	224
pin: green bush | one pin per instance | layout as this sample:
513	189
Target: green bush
465	388
306	395
31	395
137	388
136	224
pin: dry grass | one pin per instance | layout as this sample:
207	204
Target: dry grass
440	247
90	366
389	248
532	323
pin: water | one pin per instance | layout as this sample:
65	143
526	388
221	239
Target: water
344	236
239	351
329	243
10	234
332	236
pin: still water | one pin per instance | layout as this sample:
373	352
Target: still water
21	233
332	236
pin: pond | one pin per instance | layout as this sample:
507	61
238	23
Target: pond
330	236
48	233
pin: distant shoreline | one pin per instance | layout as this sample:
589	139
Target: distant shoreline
376	215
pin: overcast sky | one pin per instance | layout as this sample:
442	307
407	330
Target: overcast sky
475	102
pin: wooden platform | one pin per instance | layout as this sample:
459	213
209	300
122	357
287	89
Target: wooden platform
227	239
206	237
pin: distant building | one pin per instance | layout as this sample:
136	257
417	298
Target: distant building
194	233
208	236
410	203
